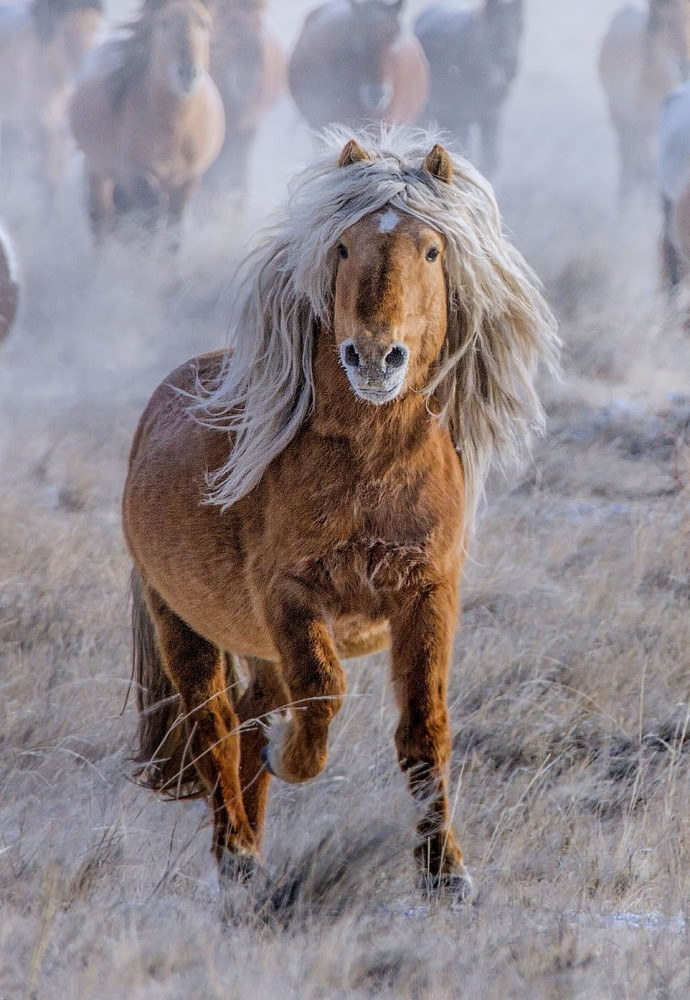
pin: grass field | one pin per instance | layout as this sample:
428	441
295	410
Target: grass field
569	693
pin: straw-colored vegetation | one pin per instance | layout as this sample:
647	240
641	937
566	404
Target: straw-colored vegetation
569	696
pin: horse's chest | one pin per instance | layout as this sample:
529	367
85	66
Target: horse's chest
362	549
360	571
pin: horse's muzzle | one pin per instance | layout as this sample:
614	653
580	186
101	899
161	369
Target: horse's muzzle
377	375
184	78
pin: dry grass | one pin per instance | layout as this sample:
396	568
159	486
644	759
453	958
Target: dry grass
570	686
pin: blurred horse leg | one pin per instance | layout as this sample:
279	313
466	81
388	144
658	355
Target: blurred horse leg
99	201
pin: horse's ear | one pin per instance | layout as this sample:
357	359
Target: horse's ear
352	153
439	164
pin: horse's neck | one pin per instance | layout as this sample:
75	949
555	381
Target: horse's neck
380	431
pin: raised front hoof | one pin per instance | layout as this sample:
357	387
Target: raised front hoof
456	887
279	758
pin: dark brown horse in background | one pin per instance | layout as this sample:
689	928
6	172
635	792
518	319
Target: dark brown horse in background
473	60
148	117
9	287
249	68
42	46
643	57
355	64
307	496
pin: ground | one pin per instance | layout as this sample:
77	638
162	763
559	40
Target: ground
569	692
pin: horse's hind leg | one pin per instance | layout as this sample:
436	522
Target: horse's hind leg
265	693
196	668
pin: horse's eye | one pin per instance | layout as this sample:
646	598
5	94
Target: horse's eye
343	251
432	253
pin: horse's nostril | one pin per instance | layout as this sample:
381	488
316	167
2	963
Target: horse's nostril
396	357
351	356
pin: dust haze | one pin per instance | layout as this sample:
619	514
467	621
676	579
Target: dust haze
569	691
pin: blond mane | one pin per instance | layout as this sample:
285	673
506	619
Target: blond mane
499	327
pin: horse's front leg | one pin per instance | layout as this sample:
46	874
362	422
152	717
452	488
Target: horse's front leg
297	749
422	632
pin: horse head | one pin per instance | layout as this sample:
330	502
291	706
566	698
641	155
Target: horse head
375	28
390	294
180	43
392	268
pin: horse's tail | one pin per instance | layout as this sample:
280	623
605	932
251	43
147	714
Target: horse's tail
164	753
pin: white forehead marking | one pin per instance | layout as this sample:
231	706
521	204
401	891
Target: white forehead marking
388	220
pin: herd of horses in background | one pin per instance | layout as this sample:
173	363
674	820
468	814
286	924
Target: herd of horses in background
175	97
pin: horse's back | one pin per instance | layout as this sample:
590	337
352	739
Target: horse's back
168	408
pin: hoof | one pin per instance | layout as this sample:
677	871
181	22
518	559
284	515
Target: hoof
457	886
237	867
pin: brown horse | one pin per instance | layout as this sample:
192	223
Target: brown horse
307	496
249	67
9	287
42	45
148	117
643	57
354	64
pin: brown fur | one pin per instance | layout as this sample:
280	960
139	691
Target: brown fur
146	140
352	541
642	58
42	46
